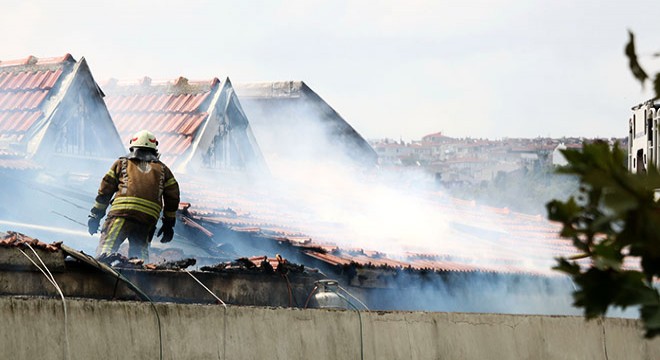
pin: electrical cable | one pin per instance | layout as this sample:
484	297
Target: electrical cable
224	333
51	279
107	269
153	306
292	299
351	295
114	291
310	296
68	218
59	289
55	196
205	288
224	319
322	273
359	318
351	304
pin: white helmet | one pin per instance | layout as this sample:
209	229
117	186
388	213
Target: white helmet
144	139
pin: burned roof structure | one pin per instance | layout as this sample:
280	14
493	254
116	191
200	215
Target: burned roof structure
51	108
477	238
480	246
202	125
290	119
257	281
199	124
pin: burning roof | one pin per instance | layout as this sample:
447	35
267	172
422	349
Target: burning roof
287	116
52	106
200	120
477	239
204	121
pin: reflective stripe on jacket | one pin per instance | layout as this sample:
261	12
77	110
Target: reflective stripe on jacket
141	189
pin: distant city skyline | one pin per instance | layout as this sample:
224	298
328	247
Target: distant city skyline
375	140
392	69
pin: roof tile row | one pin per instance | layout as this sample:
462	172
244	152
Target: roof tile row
173	144
21	101
24	87
171	111
159	123
17	122
156	102
29	80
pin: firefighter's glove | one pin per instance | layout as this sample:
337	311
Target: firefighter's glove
167	230
93	224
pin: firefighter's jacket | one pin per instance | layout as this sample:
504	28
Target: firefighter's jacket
141	189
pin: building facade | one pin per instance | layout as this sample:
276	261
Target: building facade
643	137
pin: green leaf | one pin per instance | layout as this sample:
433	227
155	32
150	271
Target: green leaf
607	256
650	265
570	268
632	290
620	201
636	69
563	211
650	315
596	291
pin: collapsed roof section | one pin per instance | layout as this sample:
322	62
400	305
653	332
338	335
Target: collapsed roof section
290	119
52	107
255	281
198	123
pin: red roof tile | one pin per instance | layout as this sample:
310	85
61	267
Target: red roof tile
11	122
25	100
478	238
172	112
438	265
328	258
18	240
24	86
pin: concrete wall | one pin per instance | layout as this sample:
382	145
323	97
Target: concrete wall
33	328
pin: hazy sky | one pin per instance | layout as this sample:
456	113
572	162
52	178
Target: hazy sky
391	68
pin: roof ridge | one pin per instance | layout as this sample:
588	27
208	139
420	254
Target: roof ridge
268	89
162	112
33	61
147	83
259	83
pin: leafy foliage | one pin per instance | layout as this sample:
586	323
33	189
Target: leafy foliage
636	68
613	218
633	63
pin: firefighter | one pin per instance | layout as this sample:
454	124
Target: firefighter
142	186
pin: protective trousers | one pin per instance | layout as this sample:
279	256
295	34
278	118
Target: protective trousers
117	229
